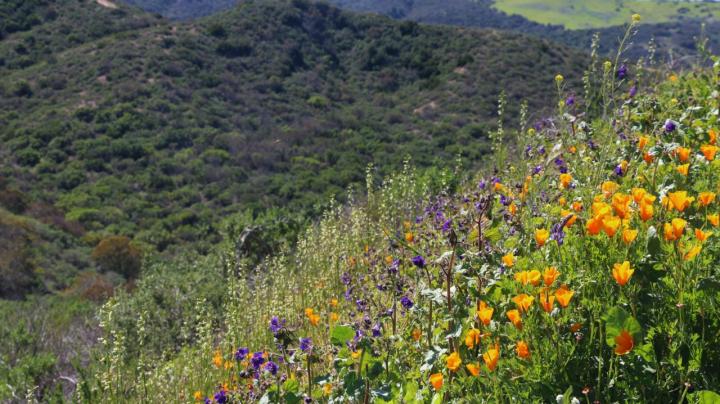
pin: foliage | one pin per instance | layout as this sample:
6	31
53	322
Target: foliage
118	254
585	267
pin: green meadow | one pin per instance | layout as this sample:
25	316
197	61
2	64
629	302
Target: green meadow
574	14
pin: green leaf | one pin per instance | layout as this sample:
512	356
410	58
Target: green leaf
437	398
617	320
291	385
340	334
411	389
705	397
567	395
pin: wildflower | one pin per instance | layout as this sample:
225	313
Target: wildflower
648	158
508	260
546	301
409	237
377	330
541	236
629	235
682	153
692	253
709	151
608	188
575	327
416	334
512	209
406	302
594	225
491	357
522	350
577	206
242	353
571	218
638	194
607	65
570	101
523	301
683	169
257	359
327	388
197	395
453	361
610	225
646	211
674	229
563	296
670	126
679	200
356	354
276	325
472	338
306	344
333	317
314	319
484	313
714	219
623	343
515	318
633	91
436	379
217	359
334	302
706	198
418	261
550	275
643	142
621	205
221	397
636	18
712	136
473	369
622	72
559	79
565	180
622	273
271	367
702	235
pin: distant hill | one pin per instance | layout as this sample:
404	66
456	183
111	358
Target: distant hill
676	37
162	131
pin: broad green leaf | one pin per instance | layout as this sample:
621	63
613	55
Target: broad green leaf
341	334
291	385
411	389
705	397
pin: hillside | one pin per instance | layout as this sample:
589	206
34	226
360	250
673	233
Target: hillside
673	32
158	133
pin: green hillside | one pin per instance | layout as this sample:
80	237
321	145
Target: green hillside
159	133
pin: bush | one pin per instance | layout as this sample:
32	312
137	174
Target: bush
119	255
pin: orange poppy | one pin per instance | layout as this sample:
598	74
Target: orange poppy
436	379
563	296
491	357
624	343
522	350
622	273
549	275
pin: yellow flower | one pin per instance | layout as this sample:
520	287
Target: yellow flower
636	18
198	395
638	194
473	369
608	188
523	301
692	253
682	153
702	235
541	236
515	318
409	237
683	169
472	338
709	151
508	260
334	302
674	230
416	334
491	357
334	317
712	136
629	235
484	313
217	359
565	180
453	361
356	354
549	275
546	301
559	78
436	379
714	219
706	198
563	296
610	225
622	273
680	200
327	388
522	350
607	65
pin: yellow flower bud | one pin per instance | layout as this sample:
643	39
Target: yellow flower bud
559	78
636	18
607	65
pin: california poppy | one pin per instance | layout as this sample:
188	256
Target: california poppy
709	151
436	379
563	296
472	338
453	361
622	273
491	357
473	369
706	198
541	236
624	343
515	318
522	350
523	301
549	275
484	313
629	235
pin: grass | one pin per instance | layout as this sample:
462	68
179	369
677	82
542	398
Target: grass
604	13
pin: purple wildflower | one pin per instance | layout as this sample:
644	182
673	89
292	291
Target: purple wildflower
406	302
376	330
670	126
446	226
241	354
537	169
633	91
418	261
221	397
618	170
570	101
306	344
257	360
271	367
276	325
622	72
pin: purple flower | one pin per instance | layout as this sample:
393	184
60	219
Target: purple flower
306	344
592	145
557	232
376	330
394	267
622	72
257	360
537	169
482	184
207	400
221	397
418	261
541	150
345	278
618	170
570	101
406	302
271	367
446	226
241	354
633	91
360	304
670	126
504	200
563	170
276	325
